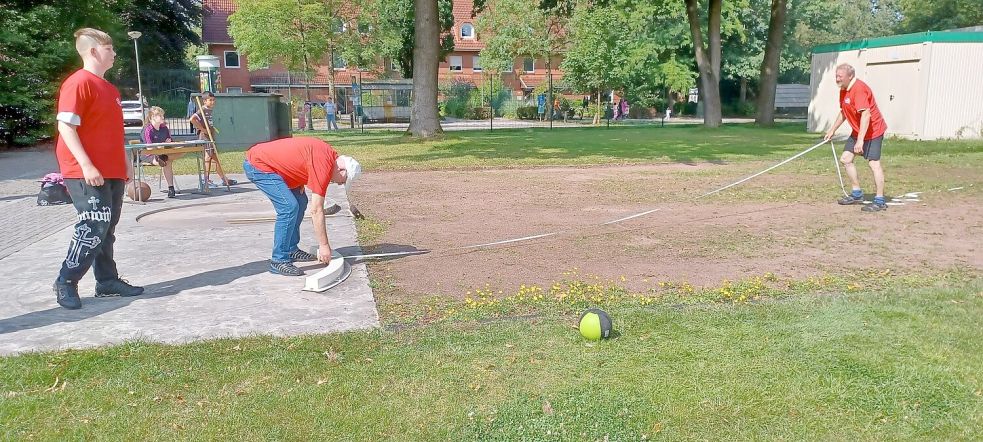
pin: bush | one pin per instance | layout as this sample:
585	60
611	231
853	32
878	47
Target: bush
527	112
739	110
457	101
479	113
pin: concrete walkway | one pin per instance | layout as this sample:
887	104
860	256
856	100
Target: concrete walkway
203	280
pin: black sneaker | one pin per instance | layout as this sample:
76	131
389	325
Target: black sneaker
171	193
115	287
850	199
302	256
67	293
285	269
874	207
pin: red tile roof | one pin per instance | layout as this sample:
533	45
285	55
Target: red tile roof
215	20
462	14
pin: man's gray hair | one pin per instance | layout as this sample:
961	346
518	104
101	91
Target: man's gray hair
845	67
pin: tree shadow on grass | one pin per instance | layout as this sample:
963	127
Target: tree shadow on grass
687	145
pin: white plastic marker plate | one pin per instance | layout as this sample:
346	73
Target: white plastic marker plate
335	273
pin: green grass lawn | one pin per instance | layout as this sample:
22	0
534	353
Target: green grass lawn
900	363
582	146
797	360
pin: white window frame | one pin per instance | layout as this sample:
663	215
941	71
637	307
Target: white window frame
233	90
450	63
528	71
344	64
476	63
467	26
225	60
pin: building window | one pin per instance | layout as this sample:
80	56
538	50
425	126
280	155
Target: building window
394	65
338	25
529	64
455	62
467	31
232	59
233	90
337	62
476	63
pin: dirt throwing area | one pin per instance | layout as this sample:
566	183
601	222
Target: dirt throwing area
702	242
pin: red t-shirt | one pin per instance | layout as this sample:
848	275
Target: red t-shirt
299	161
855	99
92	105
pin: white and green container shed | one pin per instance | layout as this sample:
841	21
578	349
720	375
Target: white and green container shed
928	85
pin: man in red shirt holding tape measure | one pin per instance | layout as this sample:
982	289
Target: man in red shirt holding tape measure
857	106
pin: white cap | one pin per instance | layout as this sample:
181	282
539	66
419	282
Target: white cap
352	170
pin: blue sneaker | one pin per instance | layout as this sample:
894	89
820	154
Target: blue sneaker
848	200
877	206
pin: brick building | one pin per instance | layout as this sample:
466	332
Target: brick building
464	63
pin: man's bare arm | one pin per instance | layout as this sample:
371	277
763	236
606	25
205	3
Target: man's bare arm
320	230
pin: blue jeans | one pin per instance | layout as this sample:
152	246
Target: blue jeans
290	205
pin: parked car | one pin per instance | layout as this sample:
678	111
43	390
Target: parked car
132	113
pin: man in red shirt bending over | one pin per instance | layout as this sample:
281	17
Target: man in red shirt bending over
280	169
857	106
94	163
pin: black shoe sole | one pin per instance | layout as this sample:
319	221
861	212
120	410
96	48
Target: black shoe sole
110	295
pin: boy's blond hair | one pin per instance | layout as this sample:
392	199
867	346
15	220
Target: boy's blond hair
87	38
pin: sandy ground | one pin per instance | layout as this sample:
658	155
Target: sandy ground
700	241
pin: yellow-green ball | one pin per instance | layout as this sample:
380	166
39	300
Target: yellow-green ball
595	324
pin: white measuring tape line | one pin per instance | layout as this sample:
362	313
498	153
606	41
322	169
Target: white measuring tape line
640	214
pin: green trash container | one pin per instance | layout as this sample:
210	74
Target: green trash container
242	120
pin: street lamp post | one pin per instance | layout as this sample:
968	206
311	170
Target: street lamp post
135	35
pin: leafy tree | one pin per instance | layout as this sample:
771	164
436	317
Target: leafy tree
707	58
295	33
37	51
939	15
518	28
595	50
394	34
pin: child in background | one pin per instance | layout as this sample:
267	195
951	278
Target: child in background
156	131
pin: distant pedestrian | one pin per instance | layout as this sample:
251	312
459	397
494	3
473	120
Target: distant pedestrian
331	114
94	164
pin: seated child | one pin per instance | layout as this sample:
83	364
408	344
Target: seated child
156	131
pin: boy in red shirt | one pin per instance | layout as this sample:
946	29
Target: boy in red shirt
857	106
280	169
94	163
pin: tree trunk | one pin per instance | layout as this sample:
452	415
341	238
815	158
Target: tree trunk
770	64
713	34
743	98
424	121
597	106
709	73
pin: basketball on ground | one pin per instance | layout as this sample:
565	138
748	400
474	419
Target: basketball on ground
132	191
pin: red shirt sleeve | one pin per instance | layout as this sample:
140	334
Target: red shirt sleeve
318	176
73	99
863	98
